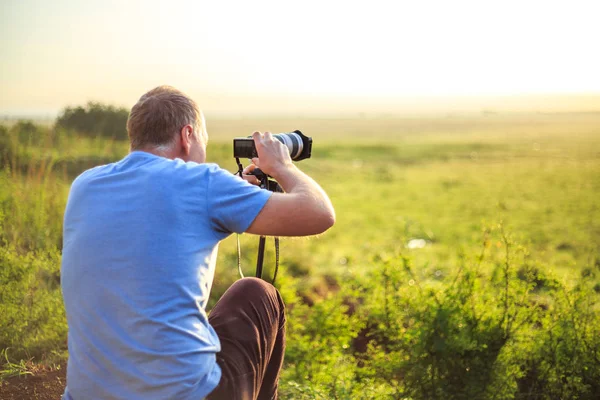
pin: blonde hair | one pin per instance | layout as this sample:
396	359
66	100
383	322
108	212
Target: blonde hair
159	115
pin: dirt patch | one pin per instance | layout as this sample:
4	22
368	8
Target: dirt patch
43	385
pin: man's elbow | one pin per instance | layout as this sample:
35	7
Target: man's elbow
327	220
330	218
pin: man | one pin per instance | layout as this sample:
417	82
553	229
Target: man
140	243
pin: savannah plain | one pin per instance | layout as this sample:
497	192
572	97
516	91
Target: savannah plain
464	263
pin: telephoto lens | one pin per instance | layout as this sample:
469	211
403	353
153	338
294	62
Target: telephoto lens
299	145
293	142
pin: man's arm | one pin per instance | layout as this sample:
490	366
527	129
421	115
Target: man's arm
304	209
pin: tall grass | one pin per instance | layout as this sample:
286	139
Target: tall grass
475	313
32	201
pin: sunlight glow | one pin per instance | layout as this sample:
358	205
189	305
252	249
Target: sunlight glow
56	53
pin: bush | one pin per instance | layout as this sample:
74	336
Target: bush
27	147
32	317
95	120
477	334
27	133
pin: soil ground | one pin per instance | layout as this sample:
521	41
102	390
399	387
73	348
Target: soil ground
43	385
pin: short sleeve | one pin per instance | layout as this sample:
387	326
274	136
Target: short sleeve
233	203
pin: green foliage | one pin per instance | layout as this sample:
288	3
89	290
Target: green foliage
32	318
461	317
31	210
32	201
322	334
95	119
28	133
5	145
473	335
10	368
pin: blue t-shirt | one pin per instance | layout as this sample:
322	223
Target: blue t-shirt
140	243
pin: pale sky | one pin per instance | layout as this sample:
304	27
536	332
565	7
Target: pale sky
294	56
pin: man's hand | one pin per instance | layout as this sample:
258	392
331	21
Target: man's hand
273	156
304	209
250	178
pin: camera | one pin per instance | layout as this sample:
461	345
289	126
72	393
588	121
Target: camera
299	145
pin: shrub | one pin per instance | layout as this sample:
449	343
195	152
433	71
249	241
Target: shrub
32	317
484	332
27	133
95	119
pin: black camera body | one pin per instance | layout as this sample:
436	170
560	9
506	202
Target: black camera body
299	145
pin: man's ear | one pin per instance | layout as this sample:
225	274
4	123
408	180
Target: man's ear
186	135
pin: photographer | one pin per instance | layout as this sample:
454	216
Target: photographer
140	243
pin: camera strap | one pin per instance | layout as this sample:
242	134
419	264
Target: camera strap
239	254
240	172
240	167
239	258
276	261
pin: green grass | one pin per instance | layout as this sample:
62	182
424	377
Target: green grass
11	369
508	208
535	174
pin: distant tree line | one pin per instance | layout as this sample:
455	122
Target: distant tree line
95	120
21	141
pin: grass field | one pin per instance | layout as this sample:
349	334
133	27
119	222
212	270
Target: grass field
443	180
462	243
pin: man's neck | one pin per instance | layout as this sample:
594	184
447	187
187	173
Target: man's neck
160	152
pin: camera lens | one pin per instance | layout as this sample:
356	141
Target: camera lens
299	146
293	142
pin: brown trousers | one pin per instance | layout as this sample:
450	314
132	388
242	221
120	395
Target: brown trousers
250	322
